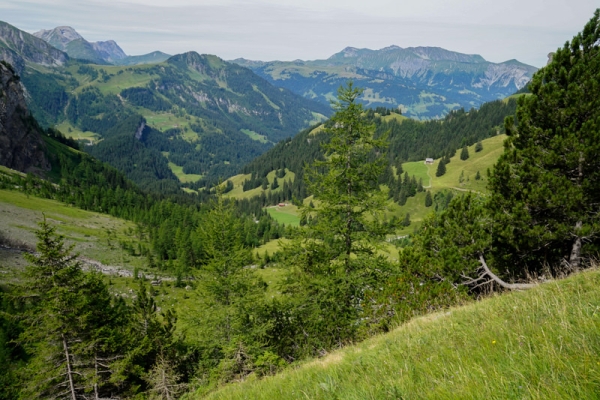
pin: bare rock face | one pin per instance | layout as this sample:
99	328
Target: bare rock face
21	145
17	47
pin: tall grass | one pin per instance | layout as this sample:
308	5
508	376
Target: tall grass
539	344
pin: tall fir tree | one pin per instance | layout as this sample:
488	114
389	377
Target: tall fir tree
441	168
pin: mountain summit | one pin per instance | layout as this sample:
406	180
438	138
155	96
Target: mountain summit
68	40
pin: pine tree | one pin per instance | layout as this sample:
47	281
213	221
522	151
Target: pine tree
464	153
478	147
546	186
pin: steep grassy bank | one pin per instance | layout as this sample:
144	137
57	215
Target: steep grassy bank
539	344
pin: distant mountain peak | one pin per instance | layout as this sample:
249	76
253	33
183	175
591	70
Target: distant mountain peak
426	82
350	52
59	37
109	50
67	39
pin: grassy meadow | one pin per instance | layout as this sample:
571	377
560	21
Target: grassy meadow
415	206
539	344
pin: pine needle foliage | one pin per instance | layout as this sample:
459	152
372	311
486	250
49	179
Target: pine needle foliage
546	185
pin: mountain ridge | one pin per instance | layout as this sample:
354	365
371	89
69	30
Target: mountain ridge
423	82
67	39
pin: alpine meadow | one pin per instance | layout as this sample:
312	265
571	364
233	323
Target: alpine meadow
403	223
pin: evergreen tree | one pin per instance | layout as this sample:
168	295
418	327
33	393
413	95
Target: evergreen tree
275	184
229	294
464	153
441	168
478	147
406	220
335	258
546	185
428	199
70	326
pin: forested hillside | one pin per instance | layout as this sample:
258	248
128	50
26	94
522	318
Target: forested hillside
219	115
409	140
212	307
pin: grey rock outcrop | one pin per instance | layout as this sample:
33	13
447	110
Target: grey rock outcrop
21	145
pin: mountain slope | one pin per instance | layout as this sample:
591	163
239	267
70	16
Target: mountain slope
68	40
204	116
539	344
424	82
150	58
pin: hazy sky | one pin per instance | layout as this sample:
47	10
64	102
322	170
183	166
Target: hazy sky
267	30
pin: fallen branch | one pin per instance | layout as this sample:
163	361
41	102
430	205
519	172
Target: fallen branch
495	278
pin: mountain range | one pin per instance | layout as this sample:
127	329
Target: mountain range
422	82
202	117
195	114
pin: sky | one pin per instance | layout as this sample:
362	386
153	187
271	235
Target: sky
498	30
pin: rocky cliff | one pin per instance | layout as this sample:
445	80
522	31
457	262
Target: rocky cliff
17	47
21	144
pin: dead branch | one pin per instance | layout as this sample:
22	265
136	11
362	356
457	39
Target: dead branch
495	278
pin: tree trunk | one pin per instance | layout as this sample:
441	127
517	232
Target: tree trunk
575	258
69	371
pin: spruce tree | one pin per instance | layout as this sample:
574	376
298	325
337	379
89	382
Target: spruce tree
428	199
70	328
441	168
478	147
406	221
546	185
228	293
464	153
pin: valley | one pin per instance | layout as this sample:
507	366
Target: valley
394	223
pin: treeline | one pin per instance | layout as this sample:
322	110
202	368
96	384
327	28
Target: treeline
412	140
170	221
